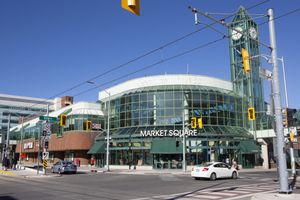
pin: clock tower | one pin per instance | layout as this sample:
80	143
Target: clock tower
243	34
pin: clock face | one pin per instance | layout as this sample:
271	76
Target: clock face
236	33
252	32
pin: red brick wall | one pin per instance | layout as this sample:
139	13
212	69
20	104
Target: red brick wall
71	140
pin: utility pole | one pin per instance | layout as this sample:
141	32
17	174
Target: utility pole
39	149
281	157
7	137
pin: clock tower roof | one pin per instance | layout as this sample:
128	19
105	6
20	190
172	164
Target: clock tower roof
241	15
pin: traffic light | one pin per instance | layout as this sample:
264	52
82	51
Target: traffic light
46	144
193	122
200	124
251	114
132	6
177	143
88	125
44	133
245	58
63	120
196	122
291	136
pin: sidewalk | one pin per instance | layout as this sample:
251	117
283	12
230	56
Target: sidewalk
156	171
25	172
275	196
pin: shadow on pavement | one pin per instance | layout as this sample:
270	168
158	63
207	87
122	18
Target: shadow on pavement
293	182
182	196
7	198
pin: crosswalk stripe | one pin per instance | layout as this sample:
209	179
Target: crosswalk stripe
220	193
242	192
204	196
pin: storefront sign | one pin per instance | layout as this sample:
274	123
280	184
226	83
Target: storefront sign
168	133
28	145
96	126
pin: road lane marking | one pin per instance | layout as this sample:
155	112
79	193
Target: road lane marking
7	173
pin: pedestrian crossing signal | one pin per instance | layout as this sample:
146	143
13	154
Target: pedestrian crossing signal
251	114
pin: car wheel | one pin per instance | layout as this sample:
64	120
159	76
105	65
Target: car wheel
234	175
59	171
197	178
213	177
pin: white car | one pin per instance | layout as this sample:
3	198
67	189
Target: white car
214	170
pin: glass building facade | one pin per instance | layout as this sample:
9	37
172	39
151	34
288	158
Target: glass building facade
170	107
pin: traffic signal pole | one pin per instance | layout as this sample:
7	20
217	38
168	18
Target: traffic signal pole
183	142
293	166
281	157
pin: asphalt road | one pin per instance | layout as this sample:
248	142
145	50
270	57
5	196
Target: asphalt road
119	186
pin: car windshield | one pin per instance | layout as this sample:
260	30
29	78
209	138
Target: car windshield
206	164
67	163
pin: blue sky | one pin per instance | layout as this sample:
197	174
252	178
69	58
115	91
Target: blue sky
47	47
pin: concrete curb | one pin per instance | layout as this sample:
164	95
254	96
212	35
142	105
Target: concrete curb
275	196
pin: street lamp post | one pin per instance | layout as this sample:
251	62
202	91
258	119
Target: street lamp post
268	59
183	142
108	125
107	136
21	142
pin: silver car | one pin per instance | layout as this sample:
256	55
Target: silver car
64	167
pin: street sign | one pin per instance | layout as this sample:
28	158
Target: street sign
45	164
47	118
46	131
45	155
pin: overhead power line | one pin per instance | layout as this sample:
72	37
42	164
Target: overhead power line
145	55
152	65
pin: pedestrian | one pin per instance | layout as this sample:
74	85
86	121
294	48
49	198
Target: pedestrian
14	163
78	162
5	163
234	164
227	161
92	161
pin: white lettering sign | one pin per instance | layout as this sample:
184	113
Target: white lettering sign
168	133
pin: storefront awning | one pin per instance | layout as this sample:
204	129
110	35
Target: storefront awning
248	147
98	147
166	146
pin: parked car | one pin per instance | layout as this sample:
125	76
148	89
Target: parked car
64	167
214	170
